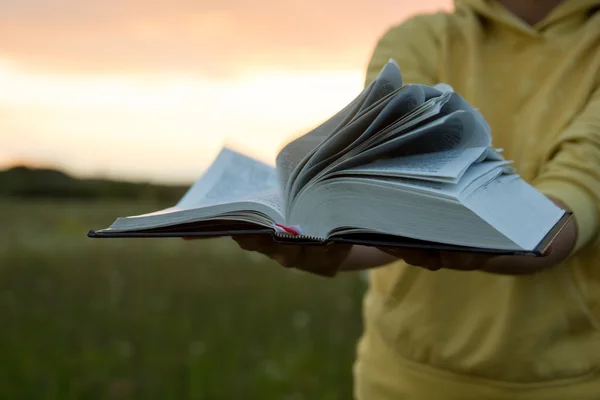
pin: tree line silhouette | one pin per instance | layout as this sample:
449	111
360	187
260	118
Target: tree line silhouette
28	182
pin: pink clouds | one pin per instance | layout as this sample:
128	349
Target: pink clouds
214	37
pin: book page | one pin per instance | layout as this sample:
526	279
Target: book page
404	102
298	155
452	132
475	176
476	129
235	187
232	177
292	158
459	130
272	199
516	209
457	102
443	87
382	114
428	110
444	166
439	104
334	145
388	81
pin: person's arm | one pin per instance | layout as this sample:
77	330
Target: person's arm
570	176
571	173
562	247
414	44
362	257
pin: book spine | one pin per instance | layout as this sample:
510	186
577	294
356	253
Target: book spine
290	230
293	233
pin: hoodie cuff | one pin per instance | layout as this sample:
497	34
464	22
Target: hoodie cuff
580	203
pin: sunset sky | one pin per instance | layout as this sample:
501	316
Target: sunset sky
152	89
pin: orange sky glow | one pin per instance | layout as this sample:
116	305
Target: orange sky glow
151	90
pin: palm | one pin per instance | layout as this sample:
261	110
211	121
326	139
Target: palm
322	260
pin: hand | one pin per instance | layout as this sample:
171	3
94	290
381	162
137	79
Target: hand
323	260
561	248
462	261
436	260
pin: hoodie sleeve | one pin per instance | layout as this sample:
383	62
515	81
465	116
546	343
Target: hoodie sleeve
572	172
414	45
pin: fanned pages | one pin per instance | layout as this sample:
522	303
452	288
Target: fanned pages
400	165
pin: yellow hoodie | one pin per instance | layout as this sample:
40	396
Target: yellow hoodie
452	335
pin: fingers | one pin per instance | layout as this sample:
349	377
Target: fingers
434	260
288	256
419	258
433	263
200	237
416	257
464	261
456	260
323	260
252	242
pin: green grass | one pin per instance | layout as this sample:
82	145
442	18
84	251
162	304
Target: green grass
161	318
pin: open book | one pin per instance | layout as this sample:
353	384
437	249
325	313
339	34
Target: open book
401	165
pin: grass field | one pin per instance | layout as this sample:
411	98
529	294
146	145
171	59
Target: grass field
161	319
